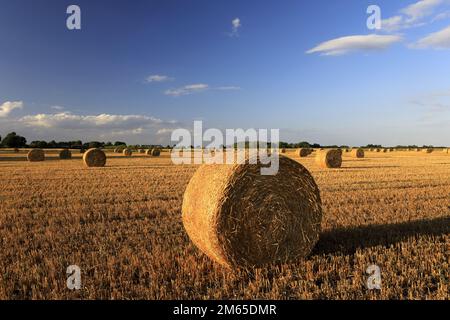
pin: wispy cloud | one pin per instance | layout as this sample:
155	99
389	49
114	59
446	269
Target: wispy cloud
197	88
227	88
235	26
434	102
343	45
158	78
436	40
413	15
7	107
58	108
188	89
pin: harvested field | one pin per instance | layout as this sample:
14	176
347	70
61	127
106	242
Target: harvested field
122	225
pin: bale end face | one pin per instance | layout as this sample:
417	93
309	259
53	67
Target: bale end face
240	218
65	154
155	152
127	152
358	153
303	152
36	155
94	158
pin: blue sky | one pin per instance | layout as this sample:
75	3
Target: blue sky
138	69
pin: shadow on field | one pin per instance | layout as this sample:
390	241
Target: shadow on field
47	158
348	240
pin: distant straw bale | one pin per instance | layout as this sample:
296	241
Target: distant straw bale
94	158
329	158
127	152
358	153
65	154
303	152
36	155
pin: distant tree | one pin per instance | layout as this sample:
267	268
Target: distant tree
12	140
52	144
303	144
39	144
94	144
119	143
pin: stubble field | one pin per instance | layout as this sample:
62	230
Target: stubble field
121	225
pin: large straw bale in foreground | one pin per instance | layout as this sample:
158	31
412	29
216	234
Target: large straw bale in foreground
329	158
240	218
36	155
65	154
358	153
94	158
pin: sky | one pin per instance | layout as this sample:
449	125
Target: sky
137	70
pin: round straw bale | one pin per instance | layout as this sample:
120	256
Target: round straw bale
384	150
358	153
141	150
127	152
94	158
155	152
283	150
65	154
329	158
428	150
35	155
241	218
303	152
378	150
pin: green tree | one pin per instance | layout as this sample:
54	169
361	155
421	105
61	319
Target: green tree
12	140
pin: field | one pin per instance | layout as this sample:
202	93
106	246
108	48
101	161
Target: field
122	225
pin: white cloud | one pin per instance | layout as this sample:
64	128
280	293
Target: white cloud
188	89
67	120
436	40
420	9
235	26
392	24
59	108
412	15
7	107
441	16
226	88
164	131
343	45
158	78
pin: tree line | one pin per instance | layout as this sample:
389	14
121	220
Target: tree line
13	140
